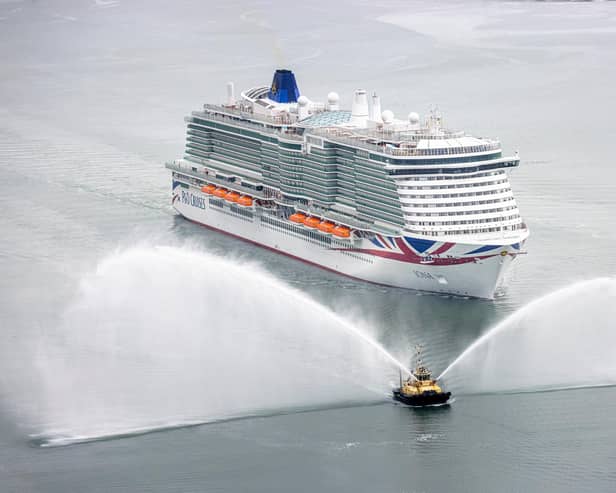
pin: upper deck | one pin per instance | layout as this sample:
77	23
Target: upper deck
379	172
278	110
404	145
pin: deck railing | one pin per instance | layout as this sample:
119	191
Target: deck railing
402	147
282	126
393	143
209	175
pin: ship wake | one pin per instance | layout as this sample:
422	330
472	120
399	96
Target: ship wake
64	438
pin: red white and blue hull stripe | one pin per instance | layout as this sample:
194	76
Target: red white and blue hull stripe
421	251
464	269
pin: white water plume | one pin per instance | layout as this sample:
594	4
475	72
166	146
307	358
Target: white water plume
161	336
562	340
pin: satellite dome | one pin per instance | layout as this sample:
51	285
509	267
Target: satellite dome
413	117
387	116
333	98
302	101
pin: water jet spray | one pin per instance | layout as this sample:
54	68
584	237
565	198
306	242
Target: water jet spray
159	336
561	340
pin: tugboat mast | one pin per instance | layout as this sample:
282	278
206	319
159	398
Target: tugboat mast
420	389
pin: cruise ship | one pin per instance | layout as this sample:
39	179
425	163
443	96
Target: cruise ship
399	202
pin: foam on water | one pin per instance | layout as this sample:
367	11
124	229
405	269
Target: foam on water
164	336
566	339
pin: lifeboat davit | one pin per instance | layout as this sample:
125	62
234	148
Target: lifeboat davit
341	231
209	189
325	226
297	217
312	222
232	197
245	200
220	192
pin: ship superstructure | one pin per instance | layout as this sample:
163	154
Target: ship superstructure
405	203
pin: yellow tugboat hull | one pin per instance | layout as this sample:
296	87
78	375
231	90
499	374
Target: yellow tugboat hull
428	398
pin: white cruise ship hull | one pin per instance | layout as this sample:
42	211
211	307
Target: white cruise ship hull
474	270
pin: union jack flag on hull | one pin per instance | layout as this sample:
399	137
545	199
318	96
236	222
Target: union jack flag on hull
423	251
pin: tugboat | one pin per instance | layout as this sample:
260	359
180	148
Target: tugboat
419	389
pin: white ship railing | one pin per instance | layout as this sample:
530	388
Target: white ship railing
209	176
283	126
343	136
339	218
198	177
399	144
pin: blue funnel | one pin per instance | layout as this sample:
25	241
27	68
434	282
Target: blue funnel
284	88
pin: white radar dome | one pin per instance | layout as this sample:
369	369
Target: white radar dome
387	116
333	98
302	101
413	117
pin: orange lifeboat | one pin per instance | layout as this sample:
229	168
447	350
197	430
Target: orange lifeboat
341	231
232	197
245	200
220	192
312	222
297	217
325	226
209	189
